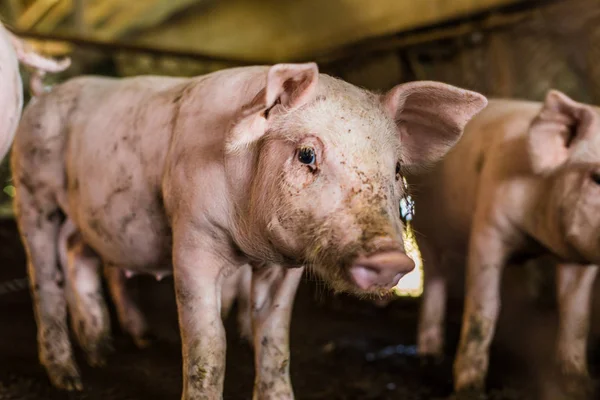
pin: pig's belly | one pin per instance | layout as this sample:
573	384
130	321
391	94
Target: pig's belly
127	228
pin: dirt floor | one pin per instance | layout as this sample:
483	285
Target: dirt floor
342	348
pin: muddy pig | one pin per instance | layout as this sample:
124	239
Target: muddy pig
276	166
12	51
523	181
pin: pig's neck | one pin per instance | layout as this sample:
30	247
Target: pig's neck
542	221
248	233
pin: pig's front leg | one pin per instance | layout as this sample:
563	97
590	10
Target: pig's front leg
273	292
198	265
487	255
574	288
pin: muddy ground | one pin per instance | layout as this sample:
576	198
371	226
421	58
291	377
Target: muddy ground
342	348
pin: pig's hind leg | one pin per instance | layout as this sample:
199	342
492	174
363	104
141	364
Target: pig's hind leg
237	288
130	315
90	319
38	218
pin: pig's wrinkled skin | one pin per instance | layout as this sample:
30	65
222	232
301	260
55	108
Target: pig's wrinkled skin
12	51
270	166
523	180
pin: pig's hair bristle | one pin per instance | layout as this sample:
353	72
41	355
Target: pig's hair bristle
235	147
346	116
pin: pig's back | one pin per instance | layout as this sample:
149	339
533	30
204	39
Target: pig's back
446	195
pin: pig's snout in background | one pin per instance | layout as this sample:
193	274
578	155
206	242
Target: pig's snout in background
381	269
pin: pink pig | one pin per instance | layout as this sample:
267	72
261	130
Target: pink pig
523	180
278	167
12	51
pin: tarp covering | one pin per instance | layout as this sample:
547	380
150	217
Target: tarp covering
286	30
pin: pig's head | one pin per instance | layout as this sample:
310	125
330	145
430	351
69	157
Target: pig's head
328	159
564	147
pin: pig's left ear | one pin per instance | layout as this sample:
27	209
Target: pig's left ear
430	117
288	86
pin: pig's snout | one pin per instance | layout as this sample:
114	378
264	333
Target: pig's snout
381	270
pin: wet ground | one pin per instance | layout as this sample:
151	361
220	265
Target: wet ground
342	348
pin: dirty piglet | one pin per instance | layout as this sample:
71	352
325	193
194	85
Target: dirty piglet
307	170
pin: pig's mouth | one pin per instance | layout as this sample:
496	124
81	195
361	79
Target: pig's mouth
380	270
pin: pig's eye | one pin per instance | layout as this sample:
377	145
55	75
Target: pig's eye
398	171
307	156
596	177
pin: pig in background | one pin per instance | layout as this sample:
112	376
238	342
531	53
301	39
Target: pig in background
524	180
12	52
277	167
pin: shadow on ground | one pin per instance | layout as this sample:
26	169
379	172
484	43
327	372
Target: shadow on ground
342	348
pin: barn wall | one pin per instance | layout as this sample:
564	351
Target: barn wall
555	47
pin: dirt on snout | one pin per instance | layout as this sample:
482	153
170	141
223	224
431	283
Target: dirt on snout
342	348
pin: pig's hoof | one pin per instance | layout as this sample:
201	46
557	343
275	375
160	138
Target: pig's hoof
98	353
144	340
65	377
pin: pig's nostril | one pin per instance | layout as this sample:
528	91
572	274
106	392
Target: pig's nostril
389	261
363	277
381	270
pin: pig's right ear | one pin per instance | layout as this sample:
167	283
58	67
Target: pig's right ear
430	117
559	126
288	86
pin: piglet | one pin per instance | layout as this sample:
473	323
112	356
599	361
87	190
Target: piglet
524	180
278	167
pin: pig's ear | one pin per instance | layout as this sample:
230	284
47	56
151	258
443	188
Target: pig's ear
430	117
288	86
555	131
